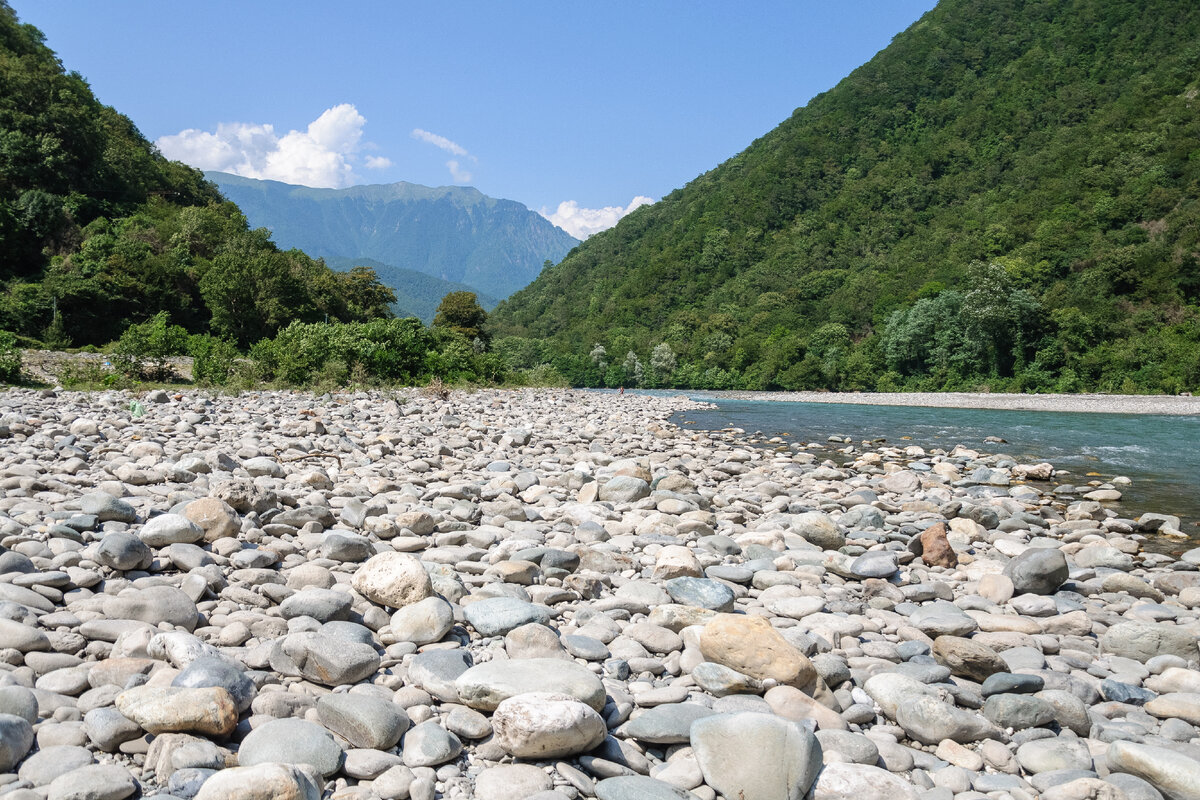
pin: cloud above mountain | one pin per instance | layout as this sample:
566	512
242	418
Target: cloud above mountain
583	222
457	171
323	155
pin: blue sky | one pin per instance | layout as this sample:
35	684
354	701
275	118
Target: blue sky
592	105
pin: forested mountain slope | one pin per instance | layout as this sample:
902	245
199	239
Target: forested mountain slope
1006	196
455	233
98	230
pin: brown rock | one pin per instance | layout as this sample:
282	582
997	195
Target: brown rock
752	647
215	516
967	658
935	547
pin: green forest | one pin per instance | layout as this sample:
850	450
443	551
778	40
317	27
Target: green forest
98	231
1005	198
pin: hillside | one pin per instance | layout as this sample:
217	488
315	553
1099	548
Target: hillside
417	294
453	233
1006	196
99	231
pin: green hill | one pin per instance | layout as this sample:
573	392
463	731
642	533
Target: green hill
1006	196
454	233
98	230
417	294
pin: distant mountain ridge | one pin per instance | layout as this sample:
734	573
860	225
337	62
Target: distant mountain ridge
454	233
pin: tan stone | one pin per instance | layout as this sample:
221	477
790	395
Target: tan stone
166	709
752	647
677	561
215	516
260	782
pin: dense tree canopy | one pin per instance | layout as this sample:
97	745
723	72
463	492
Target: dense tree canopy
1018	179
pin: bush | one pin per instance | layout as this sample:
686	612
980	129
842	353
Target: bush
212	359
10	358
145	349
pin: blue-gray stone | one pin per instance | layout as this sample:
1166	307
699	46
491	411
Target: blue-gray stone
638	787
734	573
363	720
1038	570
186	783
123	551
16	737
322	605
670	723
429	744
107	508
875	564
1118	692
496	616
700	592
911	648
585	647
1018	711
1012	683
350	631
291	741
435	671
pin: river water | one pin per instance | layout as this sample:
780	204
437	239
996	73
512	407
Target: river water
1160	454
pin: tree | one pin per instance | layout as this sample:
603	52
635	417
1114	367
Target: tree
461	312
662	362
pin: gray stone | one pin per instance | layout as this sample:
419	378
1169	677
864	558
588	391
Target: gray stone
929	720
95	782
1142	641
496	616
840	781
20	702
484	686
624	489
108	728
363	720
325	659
50	762
16	737
168	529
1045	755
700	592
511	782
639	787
154	605
429	744
1018	711
322	605
107	508
211	671
423	622
755	756
436	671
670	723
291	741
123	551
1038	570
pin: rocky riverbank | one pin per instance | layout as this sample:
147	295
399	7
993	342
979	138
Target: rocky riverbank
1173	405
531	594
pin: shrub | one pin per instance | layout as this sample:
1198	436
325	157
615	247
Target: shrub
145	349
10	358
212	359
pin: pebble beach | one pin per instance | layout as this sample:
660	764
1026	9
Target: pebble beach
555	594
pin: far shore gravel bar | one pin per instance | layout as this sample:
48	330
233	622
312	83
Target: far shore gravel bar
1171	405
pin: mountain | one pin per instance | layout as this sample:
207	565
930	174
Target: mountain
1007	196
454	233
99	231
417	294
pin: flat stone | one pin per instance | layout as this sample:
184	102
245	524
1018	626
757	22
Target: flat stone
1175	775
839	781
496	616
324	659
639	787
511	782
484	686
164	709
96	782
700	592
670	723
1142	641
208	671
291	741
363	720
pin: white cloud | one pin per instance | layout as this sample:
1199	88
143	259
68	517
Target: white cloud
457	172
322	155
453	148
583	222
